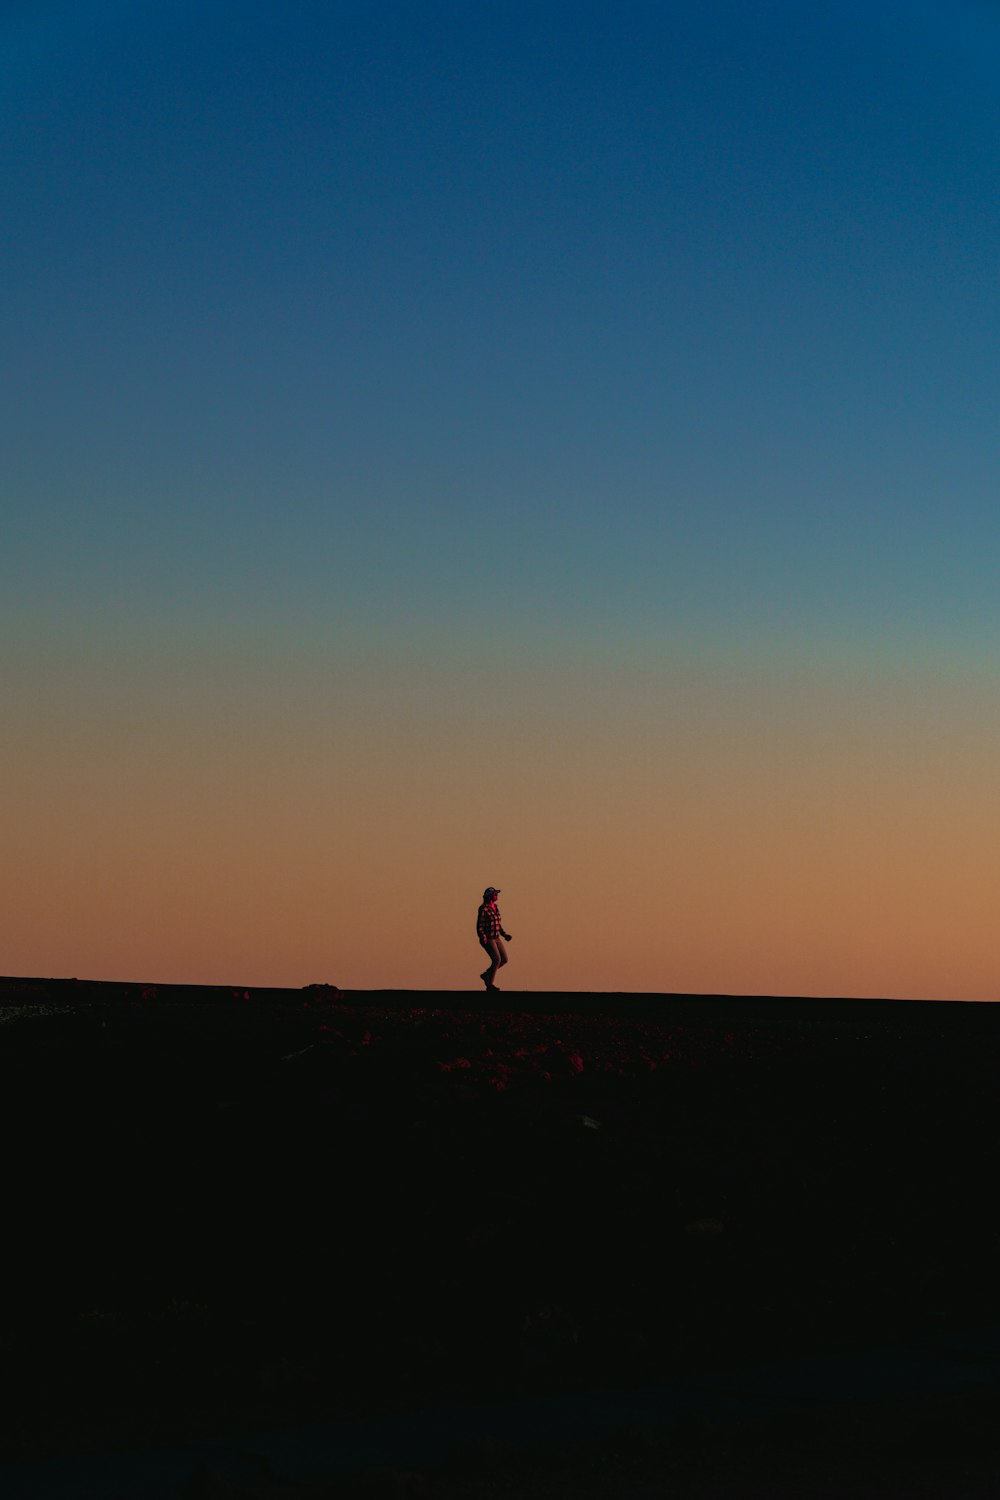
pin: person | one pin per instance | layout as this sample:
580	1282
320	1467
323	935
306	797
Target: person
489	929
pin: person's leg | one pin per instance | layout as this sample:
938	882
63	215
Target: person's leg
501	948
492	946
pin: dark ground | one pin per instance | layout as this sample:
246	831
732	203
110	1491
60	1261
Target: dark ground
228	1209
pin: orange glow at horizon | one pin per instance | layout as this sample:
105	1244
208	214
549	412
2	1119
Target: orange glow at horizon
751	833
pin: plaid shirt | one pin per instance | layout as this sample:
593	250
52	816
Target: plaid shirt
488	921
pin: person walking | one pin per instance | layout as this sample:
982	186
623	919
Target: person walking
489	930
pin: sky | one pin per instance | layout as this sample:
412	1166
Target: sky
551	446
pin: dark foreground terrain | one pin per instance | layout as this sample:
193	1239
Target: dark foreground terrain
230	1209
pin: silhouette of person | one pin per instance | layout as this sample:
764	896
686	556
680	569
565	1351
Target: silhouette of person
489	929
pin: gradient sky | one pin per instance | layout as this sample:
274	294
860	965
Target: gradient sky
548	445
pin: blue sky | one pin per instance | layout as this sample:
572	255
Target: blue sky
659	297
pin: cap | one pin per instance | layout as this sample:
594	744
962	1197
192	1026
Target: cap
490	892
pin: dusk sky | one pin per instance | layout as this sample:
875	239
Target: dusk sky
547	445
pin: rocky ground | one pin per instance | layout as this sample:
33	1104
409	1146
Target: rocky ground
256	1209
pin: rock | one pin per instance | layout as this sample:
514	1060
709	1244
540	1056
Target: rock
704	1227
325	994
